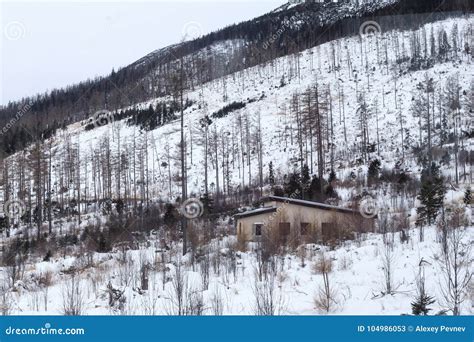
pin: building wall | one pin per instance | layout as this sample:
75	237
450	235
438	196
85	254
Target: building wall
296	214
245	226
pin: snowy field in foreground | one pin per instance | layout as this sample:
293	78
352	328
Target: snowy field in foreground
357	277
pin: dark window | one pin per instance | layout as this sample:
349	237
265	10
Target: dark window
328	231
258	229
304	228
284	228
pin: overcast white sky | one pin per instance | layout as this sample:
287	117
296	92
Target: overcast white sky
46	45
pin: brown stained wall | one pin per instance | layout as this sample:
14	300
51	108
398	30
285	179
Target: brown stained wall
295	214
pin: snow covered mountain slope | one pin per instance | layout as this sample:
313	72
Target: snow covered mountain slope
369	66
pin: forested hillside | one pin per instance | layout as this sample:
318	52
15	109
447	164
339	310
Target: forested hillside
366	105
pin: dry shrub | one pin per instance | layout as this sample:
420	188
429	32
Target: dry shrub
45	279
302	255
325	298
217	302
322	265
73	297
282	277
345	263
6	301
269	300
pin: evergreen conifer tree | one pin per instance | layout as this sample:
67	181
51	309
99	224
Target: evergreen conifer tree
431	194
271	175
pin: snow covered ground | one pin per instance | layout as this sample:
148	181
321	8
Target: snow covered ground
357	278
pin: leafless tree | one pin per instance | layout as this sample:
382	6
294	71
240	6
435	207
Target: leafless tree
144	271
388	261
205	267
73	297
217	302
194	303
268	301
6	301
456	263
37	161
177	293
453	106
15	267
325	299
178	85
45	281
150	298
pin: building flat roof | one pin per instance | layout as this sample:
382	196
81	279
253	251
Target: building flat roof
308	204
264	210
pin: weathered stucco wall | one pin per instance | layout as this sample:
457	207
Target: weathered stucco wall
297	214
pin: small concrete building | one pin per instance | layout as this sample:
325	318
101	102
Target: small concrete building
300	220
